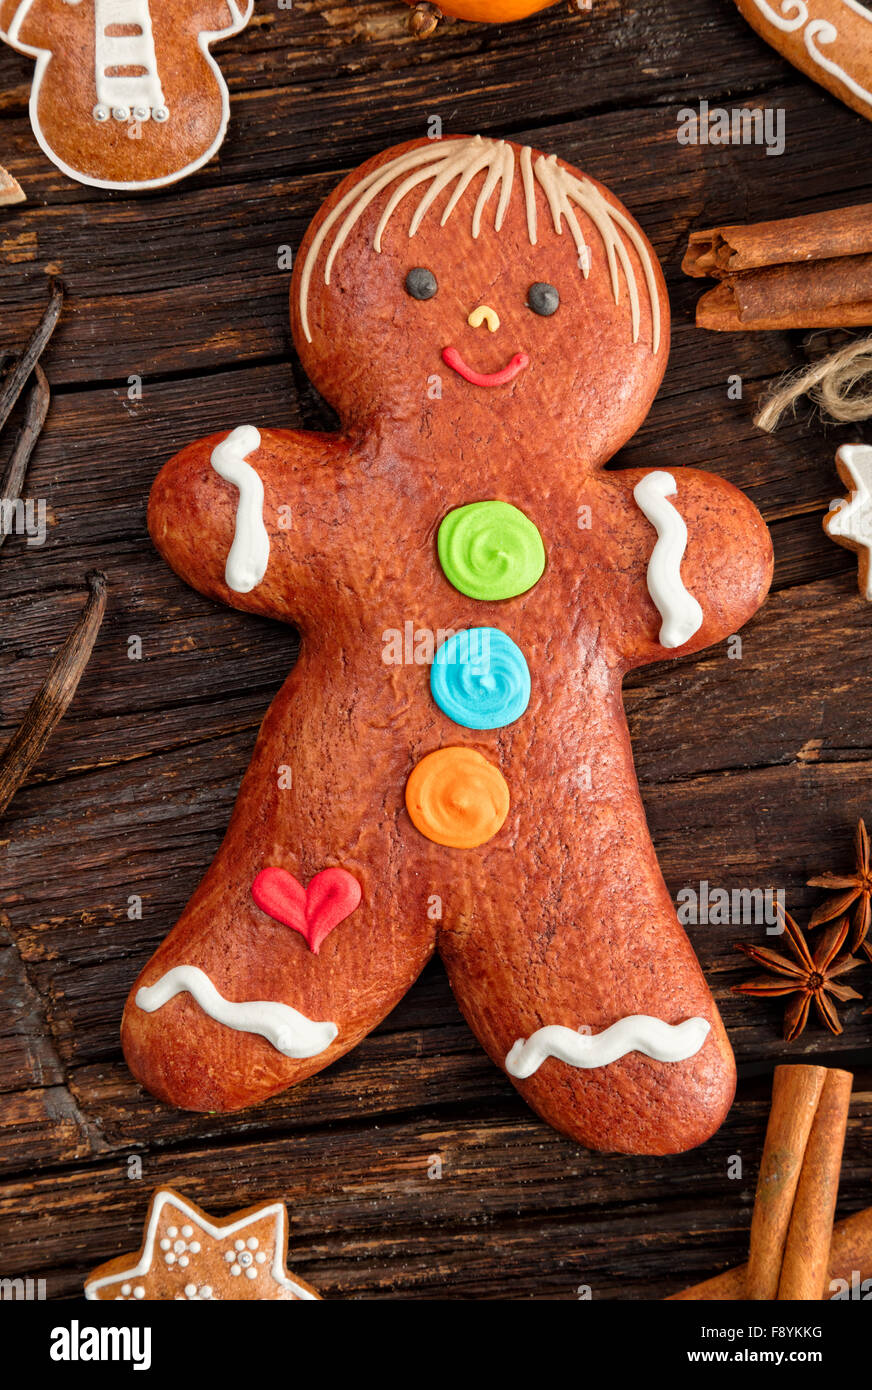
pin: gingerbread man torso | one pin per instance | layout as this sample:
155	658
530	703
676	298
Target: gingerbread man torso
471	588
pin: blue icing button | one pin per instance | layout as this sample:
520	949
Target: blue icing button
480	679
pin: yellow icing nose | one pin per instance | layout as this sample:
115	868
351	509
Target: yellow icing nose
484	314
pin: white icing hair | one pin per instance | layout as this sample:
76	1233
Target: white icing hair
442	162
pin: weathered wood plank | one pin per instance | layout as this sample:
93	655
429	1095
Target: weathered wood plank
27	1055
357	1207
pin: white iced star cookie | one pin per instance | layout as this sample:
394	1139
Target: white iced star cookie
849	521
190	1257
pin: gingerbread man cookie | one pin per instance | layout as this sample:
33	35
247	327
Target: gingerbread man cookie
829	40
471	586
190	1257
126	93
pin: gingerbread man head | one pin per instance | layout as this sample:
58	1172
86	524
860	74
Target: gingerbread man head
540	291
126	93
448	765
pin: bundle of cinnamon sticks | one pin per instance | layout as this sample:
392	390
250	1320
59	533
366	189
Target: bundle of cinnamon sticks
800	272
796	1253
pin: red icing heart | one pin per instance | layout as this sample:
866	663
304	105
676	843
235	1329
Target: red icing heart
332	895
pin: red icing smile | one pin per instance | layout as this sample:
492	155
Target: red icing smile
452	358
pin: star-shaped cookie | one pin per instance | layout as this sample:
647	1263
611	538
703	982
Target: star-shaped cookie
191	1257
849	521
10	189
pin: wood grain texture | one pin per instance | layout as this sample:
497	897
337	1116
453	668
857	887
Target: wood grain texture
753	770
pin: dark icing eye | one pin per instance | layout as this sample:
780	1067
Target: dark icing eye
421	283
543	298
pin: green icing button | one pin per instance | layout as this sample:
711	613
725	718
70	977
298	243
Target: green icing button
490	550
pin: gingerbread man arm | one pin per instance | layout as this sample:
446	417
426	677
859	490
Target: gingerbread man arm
692	559
259	519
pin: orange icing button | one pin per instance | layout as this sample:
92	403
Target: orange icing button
456	797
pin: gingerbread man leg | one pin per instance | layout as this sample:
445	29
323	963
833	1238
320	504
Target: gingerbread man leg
236	1005
598	950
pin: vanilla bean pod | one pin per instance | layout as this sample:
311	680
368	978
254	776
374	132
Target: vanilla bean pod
49	705
12	386
12	482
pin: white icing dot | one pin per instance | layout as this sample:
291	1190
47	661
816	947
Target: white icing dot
260	1257
125	1288
190	1290
172	1230
139	1291
187	1231
165	1244
119	1298
170	1258
229	1256
194	1247
179	1246
234	1270
239	1244
206	1291
252	1242
251	1273
184	1261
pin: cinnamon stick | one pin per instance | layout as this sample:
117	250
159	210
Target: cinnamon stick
796	1091
817	236
850	1259
806	1254
799	272
814	296
51	702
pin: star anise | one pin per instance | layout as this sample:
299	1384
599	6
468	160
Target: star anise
849	890
809	977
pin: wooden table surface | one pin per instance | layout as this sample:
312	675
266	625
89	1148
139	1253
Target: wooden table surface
753	771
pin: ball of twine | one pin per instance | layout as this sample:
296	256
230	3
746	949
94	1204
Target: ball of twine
840	385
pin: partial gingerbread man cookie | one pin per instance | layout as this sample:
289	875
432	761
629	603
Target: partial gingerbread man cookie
126	93
829	40
190	1257
448	766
